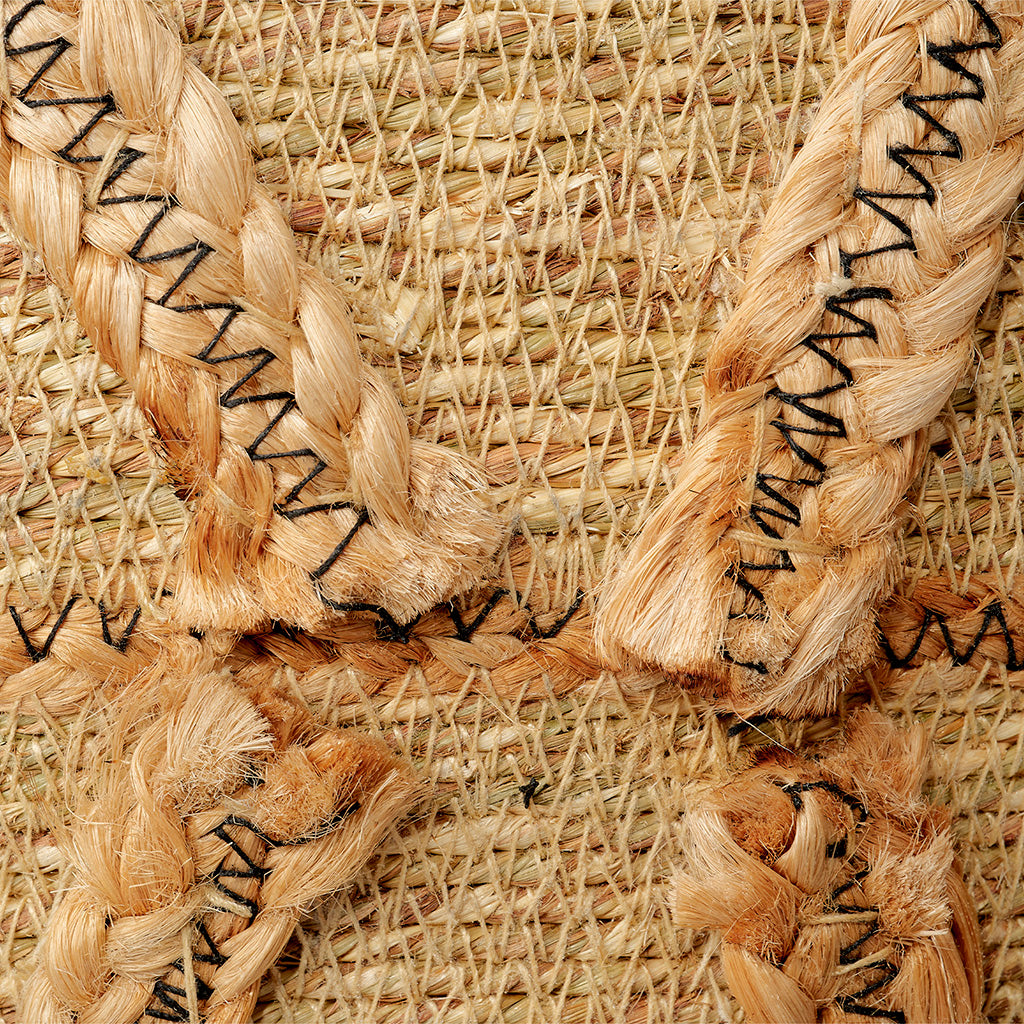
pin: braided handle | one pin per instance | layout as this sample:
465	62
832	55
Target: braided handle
232	815
758	578
835	887
122	165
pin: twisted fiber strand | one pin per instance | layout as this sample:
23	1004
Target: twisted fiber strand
835	886
233	813
521	633
122	165
60	658
758	578
983	623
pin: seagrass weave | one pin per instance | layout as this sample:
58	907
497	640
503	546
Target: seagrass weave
539	212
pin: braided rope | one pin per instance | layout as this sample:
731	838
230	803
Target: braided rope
122	165
758	578
60	658
835	887
523	634
233	814
984	623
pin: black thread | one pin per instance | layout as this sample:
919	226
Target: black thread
390	630
328	826
195	252
169	995
758	666
126	156
258	359
529	791
122	644
284	629
847	908
237	819
37	654
850	1005
464	631
794	789
740	727
252	870
550	632
991	613
387	627
361	519
215	956
836	849
250	906
783	509
771	502
849	953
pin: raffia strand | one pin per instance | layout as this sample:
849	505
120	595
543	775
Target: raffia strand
757	580
123	166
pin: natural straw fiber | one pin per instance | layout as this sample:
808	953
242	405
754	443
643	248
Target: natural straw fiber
539	214
759	577
230	816
121	164
835	885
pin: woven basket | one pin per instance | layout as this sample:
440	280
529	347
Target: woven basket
539	212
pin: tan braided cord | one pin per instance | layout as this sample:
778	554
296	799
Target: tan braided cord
835	886
232	814
758	578
122	166
539	214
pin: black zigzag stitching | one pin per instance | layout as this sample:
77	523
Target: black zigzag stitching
465	630
773	510
886	970
390	630
252	361
126	634
39	653
992	613
387	627
214	956
794	789
169	996
250	870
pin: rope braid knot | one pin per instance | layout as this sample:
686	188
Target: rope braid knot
835	886
123	166
758	577
233	814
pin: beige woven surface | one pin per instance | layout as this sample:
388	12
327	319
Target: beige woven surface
538	211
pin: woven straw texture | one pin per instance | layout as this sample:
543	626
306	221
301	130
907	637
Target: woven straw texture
539	212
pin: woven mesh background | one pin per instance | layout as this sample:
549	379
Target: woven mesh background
539	212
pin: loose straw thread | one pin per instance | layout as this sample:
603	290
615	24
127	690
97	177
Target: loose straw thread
835	886
233	814
758	579
122	165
